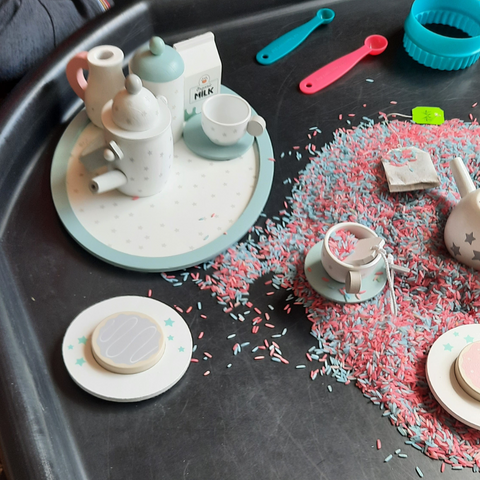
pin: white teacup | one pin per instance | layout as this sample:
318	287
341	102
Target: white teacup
226	118
352	271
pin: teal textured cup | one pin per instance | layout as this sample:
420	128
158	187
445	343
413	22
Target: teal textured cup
439	51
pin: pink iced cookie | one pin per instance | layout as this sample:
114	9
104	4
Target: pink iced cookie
467	369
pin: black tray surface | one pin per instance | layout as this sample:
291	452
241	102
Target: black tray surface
251	421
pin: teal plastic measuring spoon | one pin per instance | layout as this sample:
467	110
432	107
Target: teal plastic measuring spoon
373	45
292	39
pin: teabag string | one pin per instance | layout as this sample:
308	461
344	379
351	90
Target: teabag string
390	269
365	252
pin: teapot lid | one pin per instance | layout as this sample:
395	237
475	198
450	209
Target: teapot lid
157	62
135	108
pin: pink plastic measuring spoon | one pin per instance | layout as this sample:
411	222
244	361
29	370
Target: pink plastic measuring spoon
373	45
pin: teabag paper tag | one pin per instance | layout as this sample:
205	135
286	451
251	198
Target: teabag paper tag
428	115
409	168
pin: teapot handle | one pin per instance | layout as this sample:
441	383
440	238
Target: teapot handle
75	75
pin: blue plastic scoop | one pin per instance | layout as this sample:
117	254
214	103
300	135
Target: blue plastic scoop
292	39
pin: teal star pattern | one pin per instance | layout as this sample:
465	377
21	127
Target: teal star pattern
70	347
80	361
169	323
456	334
181	349
469	339
170	337
82	340
448	347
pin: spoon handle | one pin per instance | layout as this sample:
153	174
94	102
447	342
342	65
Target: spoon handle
292	39
332	72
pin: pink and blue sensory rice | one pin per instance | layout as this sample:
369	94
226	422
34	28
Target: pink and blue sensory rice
345	181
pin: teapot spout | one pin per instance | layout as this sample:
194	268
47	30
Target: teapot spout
107	182
462	177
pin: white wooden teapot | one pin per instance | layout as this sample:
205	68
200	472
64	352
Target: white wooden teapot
139	142
462	230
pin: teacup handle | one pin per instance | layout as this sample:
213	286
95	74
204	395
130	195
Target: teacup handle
353	282
75	76
256	126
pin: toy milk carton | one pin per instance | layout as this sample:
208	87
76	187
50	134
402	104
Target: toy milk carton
203	69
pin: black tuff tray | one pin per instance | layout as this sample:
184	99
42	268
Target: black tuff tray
253	421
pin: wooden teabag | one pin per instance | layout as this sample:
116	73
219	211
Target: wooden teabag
409	168
364	252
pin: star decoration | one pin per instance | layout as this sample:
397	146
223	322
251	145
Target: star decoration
181	349
476	255
456	334
455	250
448	347
469	238
82	340
469	339
169	323
80	361
70	347
170	337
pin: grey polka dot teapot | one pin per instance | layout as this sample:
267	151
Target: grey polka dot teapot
462	230
139	142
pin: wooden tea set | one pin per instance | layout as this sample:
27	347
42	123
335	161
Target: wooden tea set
162	169
158	131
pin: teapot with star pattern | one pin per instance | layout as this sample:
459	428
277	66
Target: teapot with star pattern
462	230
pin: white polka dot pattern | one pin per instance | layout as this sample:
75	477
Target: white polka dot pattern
201	200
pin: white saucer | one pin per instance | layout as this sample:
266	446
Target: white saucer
205	207
326	286
94	379
440	371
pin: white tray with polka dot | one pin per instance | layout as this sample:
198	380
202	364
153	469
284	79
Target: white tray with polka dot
206	206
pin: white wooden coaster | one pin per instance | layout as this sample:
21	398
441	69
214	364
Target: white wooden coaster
100	382
440	370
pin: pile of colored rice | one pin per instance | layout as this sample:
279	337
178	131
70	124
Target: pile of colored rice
345	181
